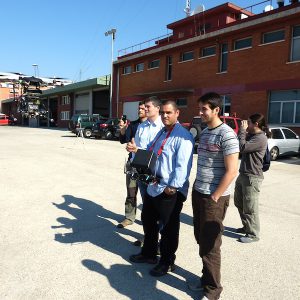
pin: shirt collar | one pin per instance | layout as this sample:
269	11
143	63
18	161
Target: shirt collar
156	122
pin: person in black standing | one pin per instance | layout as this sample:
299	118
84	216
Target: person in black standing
126	135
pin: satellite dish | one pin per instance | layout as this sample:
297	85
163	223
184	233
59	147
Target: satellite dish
199	9
268	8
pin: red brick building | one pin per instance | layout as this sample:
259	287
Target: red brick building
253	61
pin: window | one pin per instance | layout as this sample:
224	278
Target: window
274	36
284	107
154	64
231	123
208	51
185	56
224	57
139	67
65	115
287	112
127	70
181	102
65	100
180	35
243	43
295	50
276	134
226	104
289	134
169	68
85	118
297	116
203	28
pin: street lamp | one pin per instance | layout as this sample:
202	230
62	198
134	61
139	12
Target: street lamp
111	32
36	69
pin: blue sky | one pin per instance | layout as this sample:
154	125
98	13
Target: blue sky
66	38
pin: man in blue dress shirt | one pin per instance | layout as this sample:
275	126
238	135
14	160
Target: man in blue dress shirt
144	135
164	199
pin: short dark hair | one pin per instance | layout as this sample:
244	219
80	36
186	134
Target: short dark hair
212	99
142	103
171	102
154	99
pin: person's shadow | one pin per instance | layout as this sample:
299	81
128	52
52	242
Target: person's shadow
135	282
92	223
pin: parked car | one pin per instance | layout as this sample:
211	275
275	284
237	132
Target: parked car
197	126
108	129
4	119
84	123
283	141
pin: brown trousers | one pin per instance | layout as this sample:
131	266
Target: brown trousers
208	229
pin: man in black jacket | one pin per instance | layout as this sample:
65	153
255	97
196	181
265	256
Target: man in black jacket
126	135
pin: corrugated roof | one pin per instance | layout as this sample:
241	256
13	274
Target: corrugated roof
78	86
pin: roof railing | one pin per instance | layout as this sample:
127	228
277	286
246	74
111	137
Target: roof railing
143	45
254	6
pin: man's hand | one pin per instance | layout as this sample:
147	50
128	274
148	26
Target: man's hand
123	126
131	146
214	198
244	124
170	190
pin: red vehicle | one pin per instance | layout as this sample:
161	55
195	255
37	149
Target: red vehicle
4	120
197	125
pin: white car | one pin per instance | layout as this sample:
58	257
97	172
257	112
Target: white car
283	141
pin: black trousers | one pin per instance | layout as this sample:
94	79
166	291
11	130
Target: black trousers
162	214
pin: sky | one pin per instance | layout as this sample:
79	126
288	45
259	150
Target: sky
65	38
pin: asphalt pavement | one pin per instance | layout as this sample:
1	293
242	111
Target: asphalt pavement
62	196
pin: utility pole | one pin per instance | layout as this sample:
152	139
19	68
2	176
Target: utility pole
111	32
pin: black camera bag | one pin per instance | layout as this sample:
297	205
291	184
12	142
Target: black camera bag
144	161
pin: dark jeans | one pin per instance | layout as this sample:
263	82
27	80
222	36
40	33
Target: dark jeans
208	229
162	214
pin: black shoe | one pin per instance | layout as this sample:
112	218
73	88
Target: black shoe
161	270
124	223
140	258
138	243
241	230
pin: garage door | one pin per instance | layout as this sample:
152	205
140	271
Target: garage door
82	103
130	109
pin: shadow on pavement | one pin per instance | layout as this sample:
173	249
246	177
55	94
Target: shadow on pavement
230	232
134	281
291	160
92	223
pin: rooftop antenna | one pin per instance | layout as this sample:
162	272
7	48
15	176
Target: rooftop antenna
200	8
187	9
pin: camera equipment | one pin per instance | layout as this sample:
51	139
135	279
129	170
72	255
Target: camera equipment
143	166
124	118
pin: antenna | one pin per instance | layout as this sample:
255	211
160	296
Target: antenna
268	8
187	9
